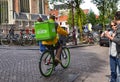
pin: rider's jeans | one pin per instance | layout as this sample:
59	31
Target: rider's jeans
42	47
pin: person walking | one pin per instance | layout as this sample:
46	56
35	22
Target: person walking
115	47
11	32
112	52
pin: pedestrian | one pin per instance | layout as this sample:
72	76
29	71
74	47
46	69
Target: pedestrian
11	32
112	52
27	31
33	31
115	47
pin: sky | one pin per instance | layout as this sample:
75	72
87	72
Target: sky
86	5
89	5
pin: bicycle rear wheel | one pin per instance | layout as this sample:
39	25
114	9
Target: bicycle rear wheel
46	64
65	57
5	41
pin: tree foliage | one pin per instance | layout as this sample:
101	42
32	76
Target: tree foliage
107	8
69	21
91	17
79	16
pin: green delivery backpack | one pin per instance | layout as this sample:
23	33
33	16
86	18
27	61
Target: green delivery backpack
45	31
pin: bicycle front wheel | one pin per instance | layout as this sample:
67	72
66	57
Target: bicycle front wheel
65	57
46	64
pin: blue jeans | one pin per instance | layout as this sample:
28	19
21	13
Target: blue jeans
42	47
114	62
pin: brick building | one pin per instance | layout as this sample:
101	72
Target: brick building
22	13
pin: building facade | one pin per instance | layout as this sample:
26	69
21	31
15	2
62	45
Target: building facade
22	13
3	11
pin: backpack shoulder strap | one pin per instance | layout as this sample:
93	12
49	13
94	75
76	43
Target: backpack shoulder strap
56	25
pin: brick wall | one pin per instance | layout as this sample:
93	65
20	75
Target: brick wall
34	6
46	8
16	5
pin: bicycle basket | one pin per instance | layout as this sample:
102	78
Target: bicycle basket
45	31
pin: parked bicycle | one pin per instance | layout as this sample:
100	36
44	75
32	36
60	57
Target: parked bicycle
25	39
90	38
8	39
47	61
16	39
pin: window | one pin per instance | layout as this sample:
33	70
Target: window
40	7
24	6
3	11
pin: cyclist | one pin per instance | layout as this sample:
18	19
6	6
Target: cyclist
55	42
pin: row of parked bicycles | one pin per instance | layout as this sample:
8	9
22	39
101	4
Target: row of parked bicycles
17	39
24	39
91	37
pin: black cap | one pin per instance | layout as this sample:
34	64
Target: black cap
52	17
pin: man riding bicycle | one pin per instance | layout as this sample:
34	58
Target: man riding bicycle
55	42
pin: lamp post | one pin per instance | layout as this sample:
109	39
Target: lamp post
74	30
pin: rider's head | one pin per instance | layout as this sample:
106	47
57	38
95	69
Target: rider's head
52	17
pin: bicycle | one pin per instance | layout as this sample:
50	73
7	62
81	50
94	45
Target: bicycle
8	39
25	39
47	60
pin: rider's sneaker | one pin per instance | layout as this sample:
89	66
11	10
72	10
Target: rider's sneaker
40	52
58	60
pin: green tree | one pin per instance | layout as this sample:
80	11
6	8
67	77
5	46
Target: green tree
69	21
80	20
79	16
107	8
91	17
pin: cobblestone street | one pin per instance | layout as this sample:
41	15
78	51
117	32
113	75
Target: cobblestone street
88	64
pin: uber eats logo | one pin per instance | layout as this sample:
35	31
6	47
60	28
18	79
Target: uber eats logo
42	31
45	31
